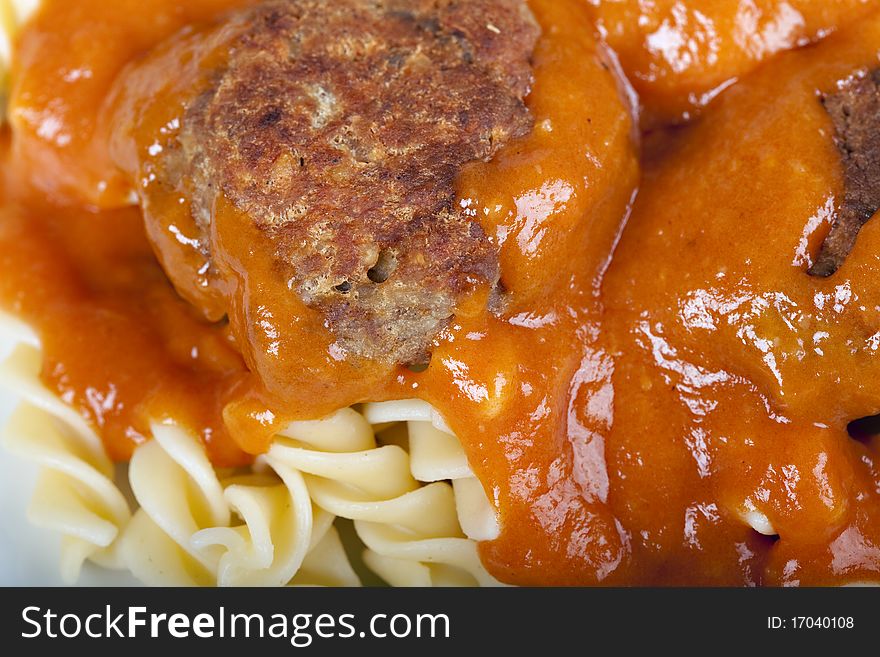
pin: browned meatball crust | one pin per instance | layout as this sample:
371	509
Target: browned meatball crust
854	109
339	128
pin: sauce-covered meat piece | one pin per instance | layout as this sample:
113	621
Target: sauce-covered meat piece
855	110
57	134
680	54
522	388
736	369
338	129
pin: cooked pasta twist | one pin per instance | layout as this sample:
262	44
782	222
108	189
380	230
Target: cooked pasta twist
271	524
12	14
412	531
253	529
75	493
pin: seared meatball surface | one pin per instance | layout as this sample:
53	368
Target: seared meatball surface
339	128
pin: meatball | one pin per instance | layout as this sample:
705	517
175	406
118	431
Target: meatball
855	110
339	129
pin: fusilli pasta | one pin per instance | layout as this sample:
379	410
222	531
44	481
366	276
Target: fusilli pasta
393	468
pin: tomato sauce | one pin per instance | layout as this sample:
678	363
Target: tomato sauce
681	54
621	440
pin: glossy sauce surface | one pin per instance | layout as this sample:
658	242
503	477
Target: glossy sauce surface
680	54
619	437
751	369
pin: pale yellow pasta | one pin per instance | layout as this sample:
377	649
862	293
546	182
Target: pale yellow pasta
416	504
477	516
326	564
268	525
436	455
756	519
400	520
155	559
75	494
13	13
248	530
407	572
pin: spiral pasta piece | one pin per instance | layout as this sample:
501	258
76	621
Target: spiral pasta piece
75	494
406	513
436	455
410	496
405	572
326	564
191	518
12	14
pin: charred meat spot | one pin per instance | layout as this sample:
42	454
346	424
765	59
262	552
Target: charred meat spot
384	267
864	428
855	112
271	117
338	129
430	24
421	364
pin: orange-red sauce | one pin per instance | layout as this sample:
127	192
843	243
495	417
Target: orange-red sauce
606	467
750	368
681	54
